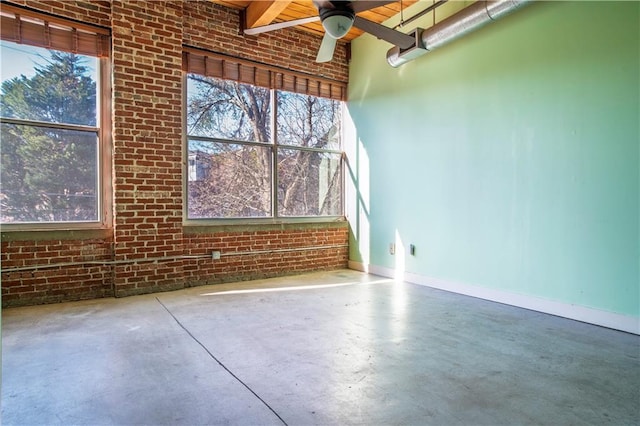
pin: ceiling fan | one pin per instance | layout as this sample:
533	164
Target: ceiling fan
337	18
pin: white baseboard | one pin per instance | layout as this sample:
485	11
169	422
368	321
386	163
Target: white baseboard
607	319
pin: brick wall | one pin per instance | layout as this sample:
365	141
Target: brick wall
147	144
145	249
92	12
260	252
84	273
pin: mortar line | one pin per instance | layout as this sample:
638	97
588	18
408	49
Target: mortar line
220	363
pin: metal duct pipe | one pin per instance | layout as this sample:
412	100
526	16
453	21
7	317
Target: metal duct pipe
468	19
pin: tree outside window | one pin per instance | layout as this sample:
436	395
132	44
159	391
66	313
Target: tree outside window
49	137
241	167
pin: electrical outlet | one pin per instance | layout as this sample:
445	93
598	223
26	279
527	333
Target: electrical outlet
392	248
215	255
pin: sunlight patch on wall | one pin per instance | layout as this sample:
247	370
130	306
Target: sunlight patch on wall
357	192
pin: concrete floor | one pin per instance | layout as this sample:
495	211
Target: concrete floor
327	348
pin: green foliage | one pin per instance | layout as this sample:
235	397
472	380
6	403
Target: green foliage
49	174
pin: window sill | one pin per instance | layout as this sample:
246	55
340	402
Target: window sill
207	226
192	227
54	234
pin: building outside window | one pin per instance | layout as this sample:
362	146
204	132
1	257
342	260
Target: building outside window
256	152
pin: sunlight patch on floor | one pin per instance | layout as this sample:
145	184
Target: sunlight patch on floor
295	288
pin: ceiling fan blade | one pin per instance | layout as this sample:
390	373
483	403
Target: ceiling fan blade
362	5
328	45
280	25
385	33
323	4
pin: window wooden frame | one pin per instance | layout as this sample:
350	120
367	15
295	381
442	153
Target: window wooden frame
209	64
24	26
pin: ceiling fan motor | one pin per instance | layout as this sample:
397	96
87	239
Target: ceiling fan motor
336	20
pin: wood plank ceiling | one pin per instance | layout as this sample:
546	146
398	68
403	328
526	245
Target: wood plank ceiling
263	12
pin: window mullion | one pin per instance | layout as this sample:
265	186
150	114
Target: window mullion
311	149
343	161
274	153
49	124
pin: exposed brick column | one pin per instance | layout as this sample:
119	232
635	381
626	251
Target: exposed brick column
147	143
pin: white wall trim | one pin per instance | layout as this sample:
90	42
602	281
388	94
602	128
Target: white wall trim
599	317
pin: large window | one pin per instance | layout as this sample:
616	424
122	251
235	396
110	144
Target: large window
257	152
50	122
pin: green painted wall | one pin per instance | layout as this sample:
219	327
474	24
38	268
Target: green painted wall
510	157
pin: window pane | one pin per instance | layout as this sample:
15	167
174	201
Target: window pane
228	180
227	110
309	183
48	175
308	121
48	85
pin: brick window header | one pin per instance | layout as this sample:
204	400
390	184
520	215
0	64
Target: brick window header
217	65
38	29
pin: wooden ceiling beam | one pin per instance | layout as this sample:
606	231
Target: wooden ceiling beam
263	12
